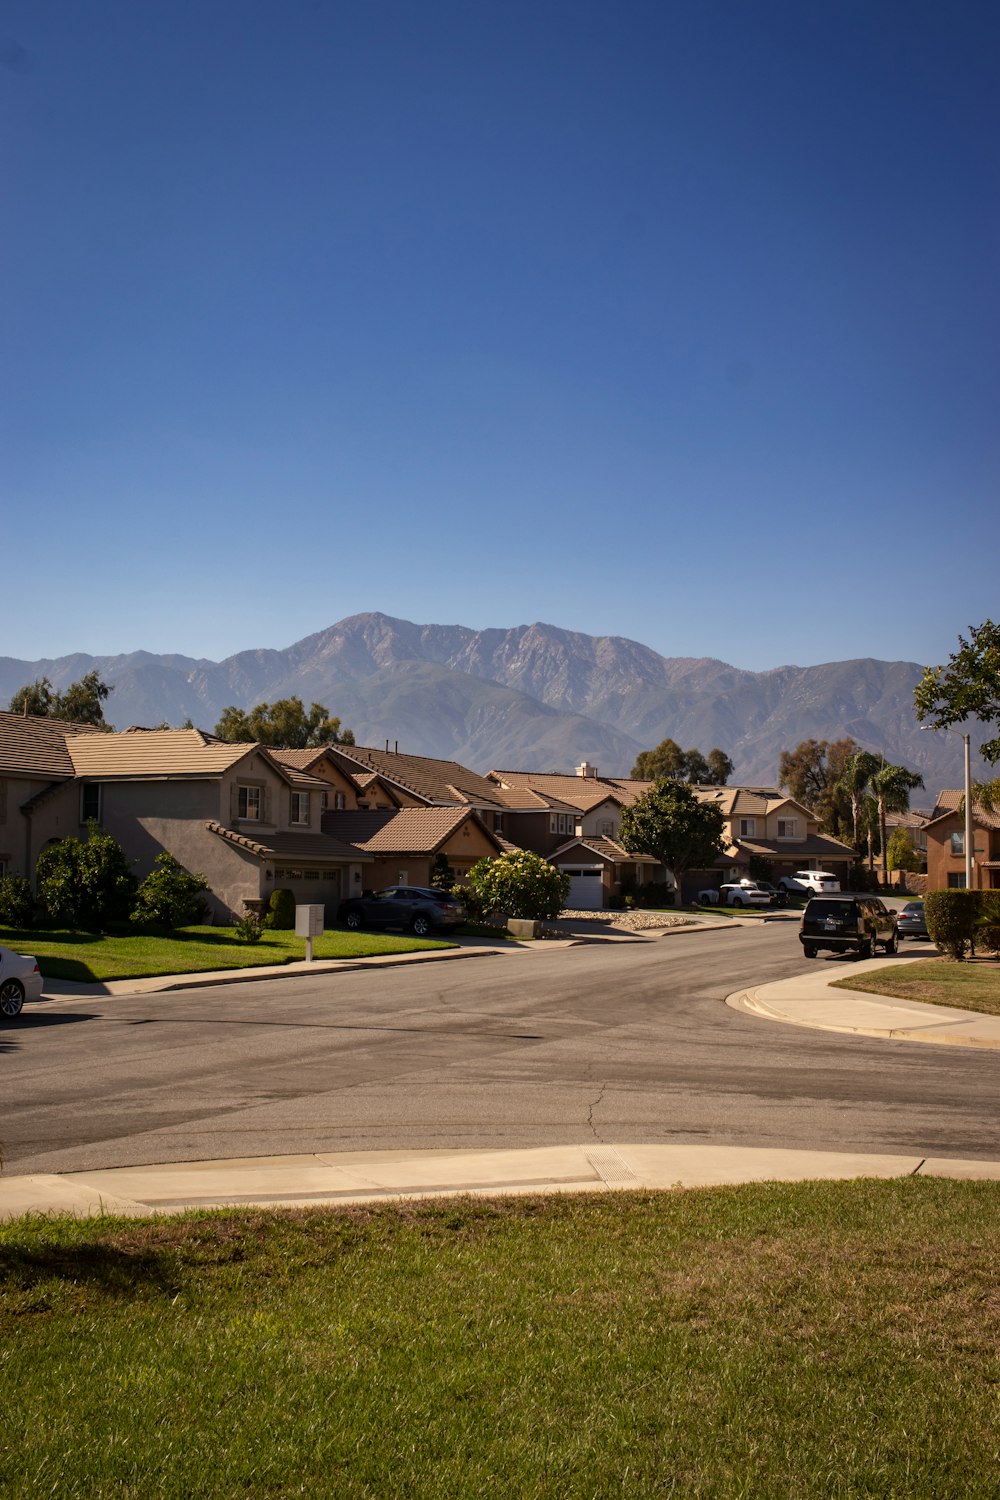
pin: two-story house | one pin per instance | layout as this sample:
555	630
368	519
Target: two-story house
946	845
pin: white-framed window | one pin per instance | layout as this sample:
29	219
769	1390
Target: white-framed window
498	822
248	803
565	823
553	823
90	802
339	801
299	808
748	828
958	843
606	828
788	828
324	798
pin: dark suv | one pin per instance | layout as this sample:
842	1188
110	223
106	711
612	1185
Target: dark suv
847	922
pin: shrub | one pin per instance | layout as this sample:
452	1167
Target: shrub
170	896
951	920
281	910
442	875
988	921
17	904
520	884
248	928
471	900
85	884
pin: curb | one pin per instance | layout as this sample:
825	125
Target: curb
934	1031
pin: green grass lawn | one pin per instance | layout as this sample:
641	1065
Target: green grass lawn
826	1339
938	981
90	957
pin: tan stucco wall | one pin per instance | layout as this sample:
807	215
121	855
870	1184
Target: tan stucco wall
21	837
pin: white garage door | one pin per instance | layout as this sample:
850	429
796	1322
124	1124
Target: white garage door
586	893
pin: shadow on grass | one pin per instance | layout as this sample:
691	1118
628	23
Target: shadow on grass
113	1271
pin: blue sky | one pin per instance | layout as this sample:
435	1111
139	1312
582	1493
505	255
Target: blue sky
677	321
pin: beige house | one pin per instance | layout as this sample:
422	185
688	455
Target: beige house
232	813
33	761
763	822
405	843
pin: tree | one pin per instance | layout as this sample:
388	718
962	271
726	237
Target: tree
82	702
891	787
669	823
968	686
284	724
85	884
812	773
519	884
901	854
669	762
170	896
859	768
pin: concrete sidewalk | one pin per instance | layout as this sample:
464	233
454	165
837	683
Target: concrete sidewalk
808	1000
330	1179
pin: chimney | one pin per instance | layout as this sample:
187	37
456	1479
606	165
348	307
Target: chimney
586	769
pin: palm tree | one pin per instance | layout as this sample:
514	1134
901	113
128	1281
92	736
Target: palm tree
859	769
891	787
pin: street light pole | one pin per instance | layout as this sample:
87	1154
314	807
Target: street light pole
968	815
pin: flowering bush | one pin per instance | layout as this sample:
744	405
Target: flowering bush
520	884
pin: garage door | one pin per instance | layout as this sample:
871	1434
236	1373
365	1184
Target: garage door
586	893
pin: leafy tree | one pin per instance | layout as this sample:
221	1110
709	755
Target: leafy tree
519	884
669	762
891	787
17	904
812	774
82	702
967	687
900	853
170	896
442	874
85	884
670	823
285	724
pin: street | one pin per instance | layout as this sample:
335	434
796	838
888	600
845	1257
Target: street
628	1042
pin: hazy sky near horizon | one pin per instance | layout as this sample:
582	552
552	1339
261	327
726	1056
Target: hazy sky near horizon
673	320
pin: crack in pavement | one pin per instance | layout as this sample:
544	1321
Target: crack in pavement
590	1113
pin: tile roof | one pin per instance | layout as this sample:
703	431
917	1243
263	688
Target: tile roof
948	802
609	849
321	847
442	781
579	793
37	746
817	846
405	830
153	752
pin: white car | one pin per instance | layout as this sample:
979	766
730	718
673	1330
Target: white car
737	893
815	882
19	981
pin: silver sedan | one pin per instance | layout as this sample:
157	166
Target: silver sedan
19	981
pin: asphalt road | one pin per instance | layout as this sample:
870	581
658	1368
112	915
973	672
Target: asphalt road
629	1043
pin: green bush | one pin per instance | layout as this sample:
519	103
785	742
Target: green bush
170	896
521	885
988	921
281	910
85	885
248	928
442	875
471	900
17	904
951	920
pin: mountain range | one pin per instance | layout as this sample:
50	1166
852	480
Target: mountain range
530	697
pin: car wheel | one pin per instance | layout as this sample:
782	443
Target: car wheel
11	997
736	901
421	924
892	946
809	950
866	947
353	921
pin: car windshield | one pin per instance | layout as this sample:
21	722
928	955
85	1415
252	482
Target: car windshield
826	908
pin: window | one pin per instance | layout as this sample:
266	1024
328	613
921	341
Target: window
958	844
248	803
299	807
956	880
565	823
788	828
90	803
748	828
606	828
323	797
553	823
339	801
498	822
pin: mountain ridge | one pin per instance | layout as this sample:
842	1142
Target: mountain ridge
547	696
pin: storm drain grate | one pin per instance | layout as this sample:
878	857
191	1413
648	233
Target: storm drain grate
610	1166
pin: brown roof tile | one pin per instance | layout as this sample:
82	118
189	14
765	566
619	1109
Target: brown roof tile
320	847
441	781
406	830
153	752
37	746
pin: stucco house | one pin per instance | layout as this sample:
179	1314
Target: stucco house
946	845
405	843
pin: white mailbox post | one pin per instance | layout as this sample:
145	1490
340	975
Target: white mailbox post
309	924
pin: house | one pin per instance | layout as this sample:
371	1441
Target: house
946	845
405	843
761	823
233	813
33	759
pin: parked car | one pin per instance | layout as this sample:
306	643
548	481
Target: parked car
19	981
813	881
744	893
843	923
416	908
778	898
912	921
